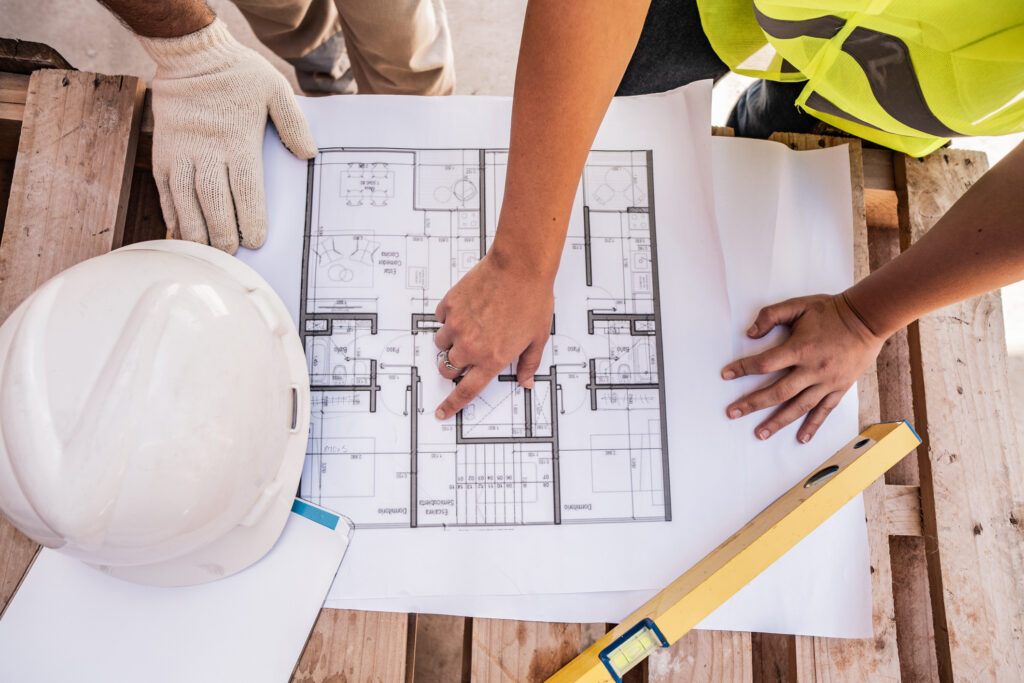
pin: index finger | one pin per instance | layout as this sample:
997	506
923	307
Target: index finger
471	384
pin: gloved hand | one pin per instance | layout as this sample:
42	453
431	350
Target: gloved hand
211	96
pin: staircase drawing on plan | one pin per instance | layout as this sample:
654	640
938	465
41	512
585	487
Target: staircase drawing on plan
388	232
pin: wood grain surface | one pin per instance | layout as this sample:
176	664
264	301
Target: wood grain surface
704	657
521	651
346	645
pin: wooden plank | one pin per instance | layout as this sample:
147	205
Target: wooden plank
438	648
14	88
903	510
524	650
521	651
774	657
24	57
704	656
67	203
70	188
876	659
349	645
972	479
915	631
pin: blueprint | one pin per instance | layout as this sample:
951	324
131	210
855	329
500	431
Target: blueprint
619	470
388	232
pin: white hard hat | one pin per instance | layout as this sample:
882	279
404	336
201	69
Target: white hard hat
154	409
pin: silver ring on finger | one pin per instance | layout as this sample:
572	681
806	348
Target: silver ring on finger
443	357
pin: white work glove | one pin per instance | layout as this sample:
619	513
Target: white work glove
211	96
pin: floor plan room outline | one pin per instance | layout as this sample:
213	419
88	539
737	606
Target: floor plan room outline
388	232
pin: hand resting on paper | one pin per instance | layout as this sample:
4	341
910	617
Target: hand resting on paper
977	246
827	351
498	312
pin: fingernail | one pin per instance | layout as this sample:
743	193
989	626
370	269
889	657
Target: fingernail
752	331
804	438
728	374
763	434
528	384
734	413
439	414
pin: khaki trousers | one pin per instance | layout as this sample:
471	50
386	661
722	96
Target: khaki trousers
397	47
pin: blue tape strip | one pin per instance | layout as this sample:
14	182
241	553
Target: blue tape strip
318	515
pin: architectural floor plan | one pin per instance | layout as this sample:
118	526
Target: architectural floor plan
388	232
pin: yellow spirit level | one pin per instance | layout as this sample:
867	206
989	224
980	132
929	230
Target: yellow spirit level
670	614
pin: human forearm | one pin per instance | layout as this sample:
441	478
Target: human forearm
976	247
572	58
164	19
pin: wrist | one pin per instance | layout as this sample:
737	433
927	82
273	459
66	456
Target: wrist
165	19
514	257
205	50
854	321
858	310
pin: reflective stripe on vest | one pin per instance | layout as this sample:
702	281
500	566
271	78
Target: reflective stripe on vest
818	103
885	61
821	27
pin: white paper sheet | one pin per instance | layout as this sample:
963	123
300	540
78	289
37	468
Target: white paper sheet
719	475
69	622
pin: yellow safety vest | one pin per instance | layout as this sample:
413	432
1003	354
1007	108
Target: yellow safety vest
907	74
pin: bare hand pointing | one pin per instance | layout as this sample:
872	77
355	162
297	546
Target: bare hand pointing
498	312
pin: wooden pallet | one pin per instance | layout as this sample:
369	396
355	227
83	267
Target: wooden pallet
945	530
